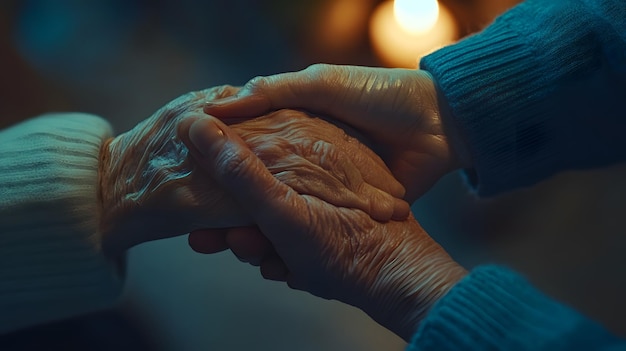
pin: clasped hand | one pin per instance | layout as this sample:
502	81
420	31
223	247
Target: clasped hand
390	269
151	187
308	203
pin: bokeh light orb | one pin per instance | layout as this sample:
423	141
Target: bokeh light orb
416	16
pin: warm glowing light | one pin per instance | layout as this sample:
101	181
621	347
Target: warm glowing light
416	16
403	31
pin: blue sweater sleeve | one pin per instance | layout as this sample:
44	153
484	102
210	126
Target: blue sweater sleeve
493	308
541	90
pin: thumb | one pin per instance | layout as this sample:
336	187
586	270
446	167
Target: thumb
226	157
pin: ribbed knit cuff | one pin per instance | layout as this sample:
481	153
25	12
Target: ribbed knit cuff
481	78
530	95
51	264
494	308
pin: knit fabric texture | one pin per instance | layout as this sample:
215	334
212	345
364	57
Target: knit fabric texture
539	91
494	308
51	266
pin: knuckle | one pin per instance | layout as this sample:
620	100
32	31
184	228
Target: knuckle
256	84
324	77
319	71
219	92
318	68
231	165
226	91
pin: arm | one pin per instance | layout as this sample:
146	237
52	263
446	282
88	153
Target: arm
51	265
495	308
539	91
393	271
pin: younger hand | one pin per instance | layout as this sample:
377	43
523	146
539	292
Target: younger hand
400	110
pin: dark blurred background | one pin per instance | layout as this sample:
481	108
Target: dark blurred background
123	59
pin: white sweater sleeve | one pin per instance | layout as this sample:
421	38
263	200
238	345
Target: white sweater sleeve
51	266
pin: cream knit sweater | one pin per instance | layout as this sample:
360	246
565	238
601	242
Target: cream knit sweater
51	266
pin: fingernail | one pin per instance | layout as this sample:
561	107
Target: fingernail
207	136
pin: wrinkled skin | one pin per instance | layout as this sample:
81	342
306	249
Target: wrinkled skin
400	110
151	188
392	270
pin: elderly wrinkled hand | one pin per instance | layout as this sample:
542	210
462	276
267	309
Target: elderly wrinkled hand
392	270
151	188
399	109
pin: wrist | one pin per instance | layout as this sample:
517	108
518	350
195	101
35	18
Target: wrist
125	219
106	195
415	275
460	155
436	276
49	221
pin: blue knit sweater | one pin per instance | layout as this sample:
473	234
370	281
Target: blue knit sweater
541	90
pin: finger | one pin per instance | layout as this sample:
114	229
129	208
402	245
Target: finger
273	268
313	89
300	138
307	178
361	97
401	210
379	204
345	189
256	98
182	131
208	241
337	158
370	164
381	178
382	206
219	92
249	244
234	166
372	169
339	184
